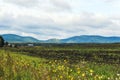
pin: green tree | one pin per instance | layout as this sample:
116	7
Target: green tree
1	41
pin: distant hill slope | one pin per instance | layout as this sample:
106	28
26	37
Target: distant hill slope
75	39
53	41
18	39
91	39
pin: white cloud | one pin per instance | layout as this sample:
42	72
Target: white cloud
26	3
57	18
63	5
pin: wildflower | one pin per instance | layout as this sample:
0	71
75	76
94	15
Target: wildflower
65	61
108	78
118	74
59	67
28	64
71	78
100	77
91	70
91	74
61	77
83	75
54	71
55	60
50	62
71	70
78	68
52	65
56	79
78	72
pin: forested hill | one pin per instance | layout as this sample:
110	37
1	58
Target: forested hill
75	39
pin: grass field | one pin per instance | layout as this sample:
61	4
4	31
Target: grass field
70	62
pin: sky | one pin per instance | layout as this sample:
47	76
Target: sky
46	19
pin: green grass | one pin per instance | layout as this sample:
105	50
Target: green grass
17	66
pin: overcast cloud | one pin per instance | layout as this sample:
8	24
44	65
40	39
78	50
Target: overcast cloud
45	19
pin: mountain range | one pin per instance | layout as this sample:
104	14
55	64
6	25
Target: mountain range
13	38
